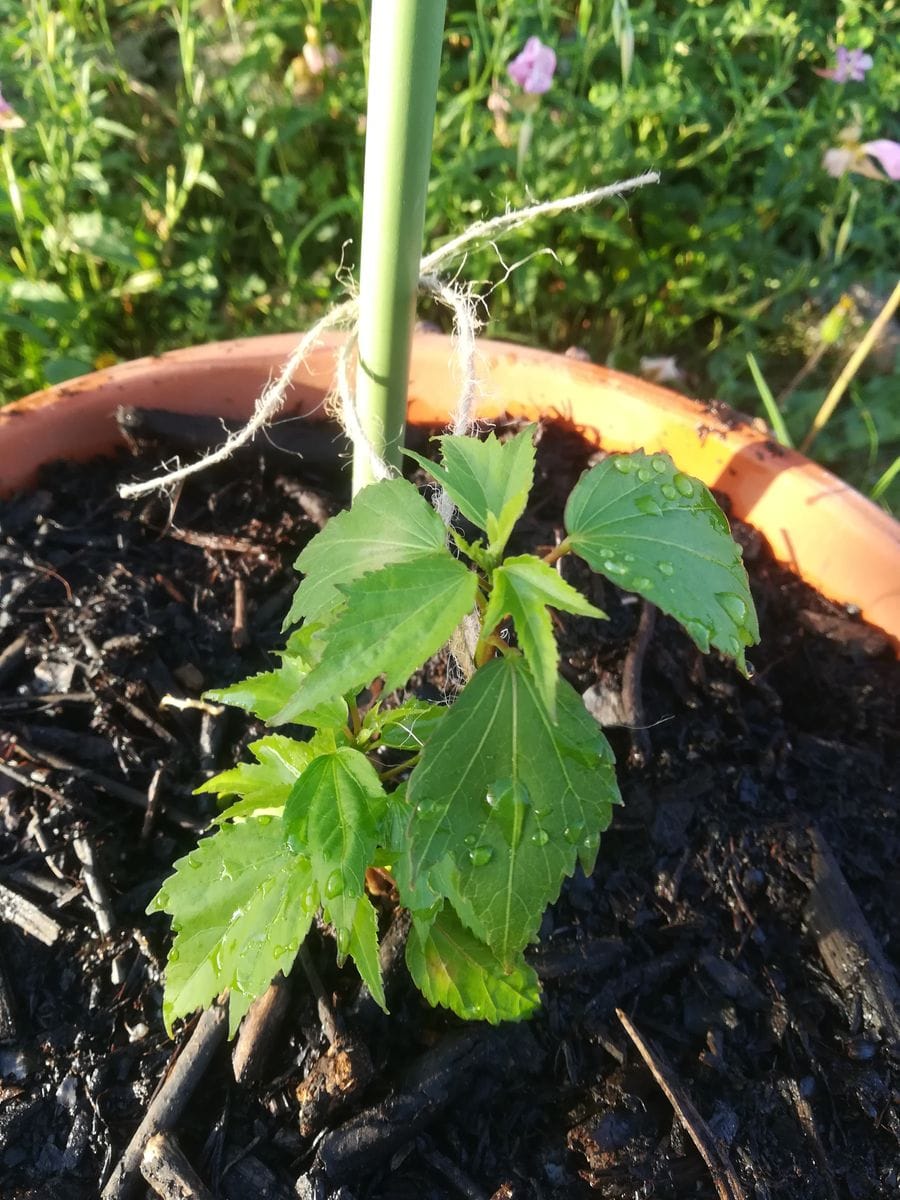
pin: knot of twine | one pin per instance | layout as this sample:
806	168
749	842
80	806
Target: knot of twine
466	323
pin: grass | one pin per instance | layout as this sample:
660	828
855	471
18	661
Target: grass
180	178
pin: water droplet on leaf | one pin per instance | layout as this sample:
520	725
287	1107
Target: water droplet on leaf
342	937
665	568
668	490
540	837
683	484
734	606
622	465
334	885
481	856
658	464
648	506
572	833
509	798
642	584
644	474
612	567
699	633
265	819
174	955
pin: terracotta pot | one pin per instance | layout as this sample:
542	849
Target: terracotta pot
838	541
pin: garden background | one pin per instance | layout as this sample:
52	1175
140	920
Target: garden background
178	173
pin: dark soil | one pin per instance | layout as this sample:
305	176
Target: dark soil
699	922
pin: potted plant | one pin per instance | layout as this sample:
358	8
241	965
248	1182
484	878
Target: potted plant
472	837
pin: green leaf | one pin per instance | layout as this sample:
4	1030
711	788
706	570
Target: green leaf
502	804
265	785
488	480
388	523
655	531
267	694
395	619
334	816
522	588
241	904
407	726
451	967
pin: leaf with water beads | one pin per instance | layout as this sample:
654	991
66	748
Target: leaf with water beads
451	967
241	903
653	530
334	816
503	803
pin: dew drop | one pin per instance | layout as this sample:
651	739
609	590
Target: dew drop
481	856
612	567
573	833
265	819
342	937
733	605
470	839
644	474
622	465
174	955
665	568
668	490
540	837
699	633
509	799
279	951
648	506
309	898
642	584
683	484
734	646
591	841
658	464
162	899
195	863
334	885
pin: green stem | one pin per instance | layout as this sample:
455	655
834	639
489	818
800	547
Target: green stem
404	61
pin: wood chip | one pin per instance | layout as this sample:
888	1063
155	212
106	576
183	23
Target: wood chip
29	918
169	1173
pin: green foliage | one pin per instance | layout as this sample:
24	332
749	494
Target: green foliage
488	481
496	798
241	904
522	588
658	532
451	967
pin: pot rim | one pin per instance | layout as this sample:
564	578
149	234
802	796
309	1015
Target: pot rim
835	539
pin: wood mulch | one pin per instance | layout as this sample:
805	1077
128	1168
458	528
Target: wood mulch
720	1009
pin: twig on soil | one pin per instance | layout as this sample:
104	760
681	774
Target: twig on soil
113	787
259	1029
239	623
632	696
152	804
457	1178
29	918
851	952
723	1174
808	1125
36	831
171	1097
332	1026
99	900
169	1173
12	657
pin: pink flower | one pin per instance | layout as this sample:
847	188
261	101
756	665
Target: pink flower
850	155
533	69
887	153
9	118
849	64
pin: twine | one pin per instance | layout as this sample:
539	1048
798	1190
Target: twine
458	299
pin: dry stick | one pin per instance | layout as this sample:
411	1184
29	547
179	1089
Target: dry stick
171	1098
723	1174
36	830
169	1173
332	1026
24	781
29	918
259	1029
8	1029
106	921
632	698
239	624
854	362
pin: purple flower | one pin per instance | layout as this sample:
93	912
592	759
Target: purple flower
9	118
887	153
848	65
533	69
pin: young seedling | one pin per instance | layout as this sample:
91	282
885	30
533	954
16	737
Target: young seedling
481	808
